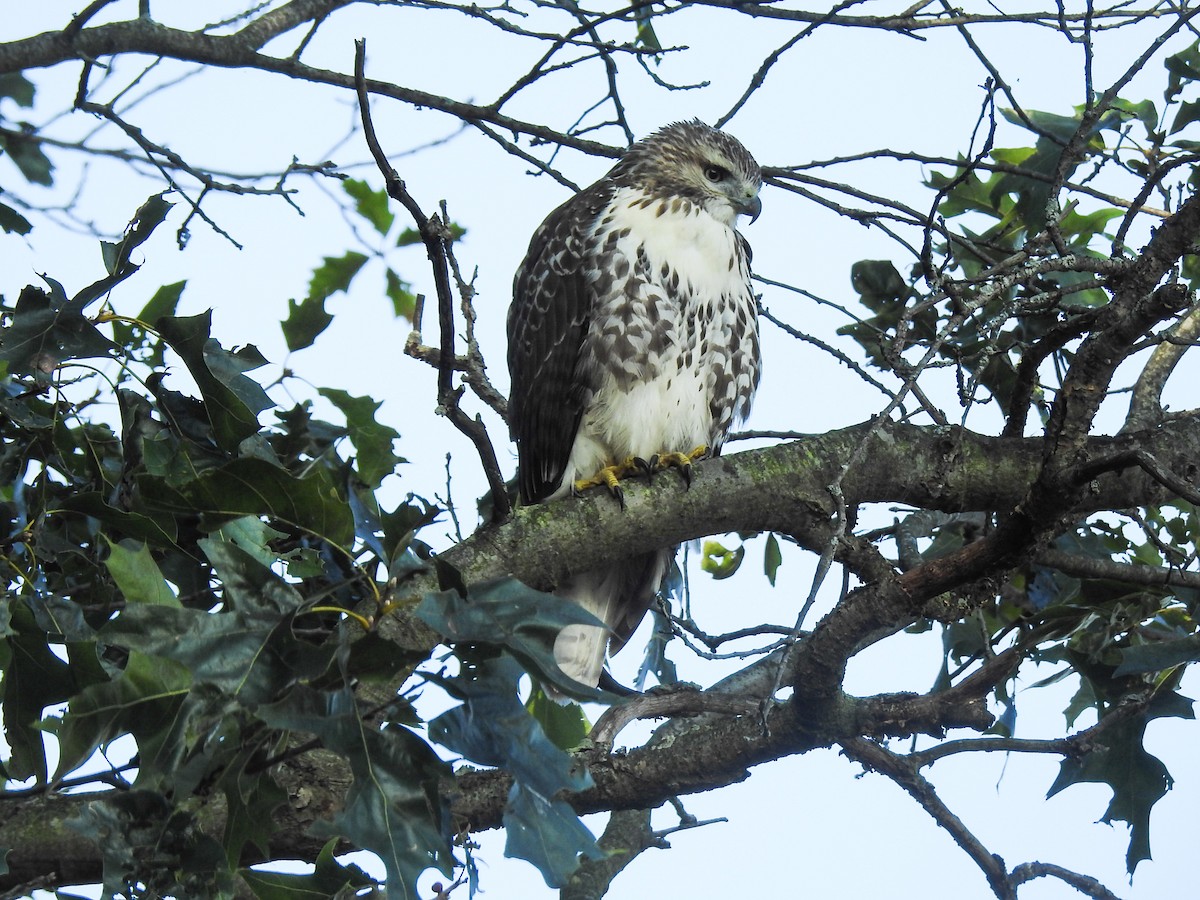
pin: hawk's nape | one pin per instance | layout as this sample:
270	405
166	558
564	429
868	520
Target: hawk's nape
633	335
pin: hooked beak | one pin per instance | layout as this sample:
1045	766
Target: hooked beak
751	207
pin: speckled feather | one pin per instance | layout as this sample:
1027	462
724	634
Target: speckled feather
633	332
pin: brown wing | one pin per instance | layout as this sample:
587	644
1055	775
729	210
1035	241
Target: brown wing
547	322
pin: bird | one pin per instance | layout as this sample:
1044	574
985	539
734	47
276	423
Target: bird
633	346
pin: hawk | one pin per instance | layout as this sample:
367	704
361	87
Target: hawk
633	337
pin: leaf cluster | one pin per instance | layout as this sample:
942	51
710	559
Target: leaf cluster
186	592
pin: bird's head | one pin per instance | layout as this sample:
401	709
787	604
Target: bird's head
693	160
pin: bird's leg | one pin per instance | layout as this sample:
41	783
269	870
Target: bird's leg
678	460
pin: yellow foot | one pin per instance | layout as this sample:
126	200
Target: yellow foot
677	460
609	476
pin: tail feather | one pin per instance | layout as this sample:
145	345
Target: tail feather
618	596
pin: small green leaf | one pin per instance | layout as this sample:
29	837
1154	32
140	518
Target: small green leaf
371	205
1158	656
720	562
18	87
335	274
231	400
410	236
1189	112
772	558
878	283
12	221
148	217
1144	111
137	575
373	441
564	723
329	878
26	153
304	323
399	291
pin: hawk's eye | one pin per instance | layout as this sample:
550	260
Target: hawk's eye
715	173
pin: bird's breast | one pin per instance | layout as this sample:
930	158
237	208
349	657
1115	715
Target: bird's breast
671	355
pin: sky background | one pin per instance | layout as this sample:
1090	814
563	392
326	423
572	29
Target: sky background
810	825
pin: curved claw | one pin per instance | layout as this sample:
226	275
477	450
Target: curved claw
681	461
610	477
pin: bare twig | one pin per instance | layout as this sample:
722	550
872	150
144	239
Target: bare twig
905	775
435	236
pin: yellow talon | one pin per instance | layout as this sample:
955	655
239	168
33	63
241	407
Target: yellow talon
680	460
609	476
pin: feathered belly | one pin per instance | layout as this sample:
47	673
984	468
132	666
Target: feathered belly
667	413
670	359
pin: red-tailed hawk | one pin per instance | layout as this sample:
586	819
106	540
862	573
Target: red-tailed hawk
633	336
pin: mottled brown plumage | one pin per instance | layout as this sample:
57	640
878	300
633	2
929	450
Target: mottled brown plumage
632	333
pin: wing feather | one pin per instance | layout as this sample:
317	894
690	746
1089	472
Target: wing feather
552	306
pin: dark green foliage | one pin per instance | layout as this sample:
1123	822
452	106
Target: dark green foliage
1009	343
176	574
493	727
328	879
1138	779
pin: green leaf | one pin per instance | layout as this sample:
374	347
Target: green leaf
12	221
410	236
335	274
507	613
143	700
329	878
565	724
1188	113
392	808
47	329
133	336
372	441
249	583
1183	66
34	678
399	291
148	217
493	728
232	401
18	87
720	562
1137	779
878	283
308	318
1144	111
304	323
242	653
1158	656
255	487
772	558
371	205
137	575
163	303
251	801
547	832
251	535
26	153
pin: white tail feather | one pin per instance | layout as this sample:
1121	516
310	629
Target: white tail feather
580	650
618	596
